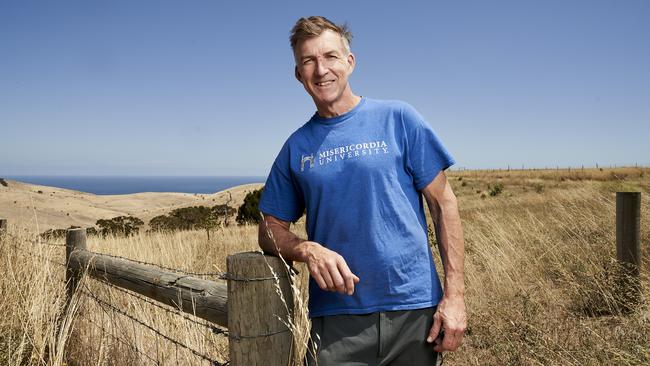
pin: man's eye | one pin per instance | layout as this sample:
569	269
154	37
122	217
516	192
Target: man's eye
307	62
331	56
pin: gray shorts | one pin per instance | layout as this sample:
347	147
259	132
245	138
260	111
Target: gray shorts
384	338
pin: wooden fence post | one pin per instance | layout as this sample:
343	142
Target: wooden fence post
75	239
628	253
260	305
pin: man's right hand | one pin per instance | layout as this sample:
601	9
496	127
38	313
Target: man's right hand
329	269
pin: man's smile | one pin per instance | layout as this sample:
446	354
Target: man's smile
324	83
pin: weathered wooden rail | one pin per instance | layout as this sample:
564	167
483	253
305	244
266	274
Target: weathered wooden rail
202	298
249	304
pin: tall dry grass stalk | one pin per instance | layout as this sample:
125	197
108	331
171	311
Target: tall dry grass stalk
542	283
35	324
299	324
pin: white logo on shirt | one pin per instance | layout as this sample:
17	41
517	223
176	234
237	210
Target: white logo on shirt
304	159
351	151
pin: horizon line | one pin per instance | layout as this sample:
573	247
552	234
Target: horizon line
452	168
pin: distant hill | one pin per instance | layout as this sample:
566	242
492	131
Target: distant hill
41	207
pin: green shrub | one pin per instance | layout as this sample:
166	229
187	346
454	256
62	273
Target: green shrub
164	223
119	226
192	218
248	212
496	190
224	212
61	233
53	234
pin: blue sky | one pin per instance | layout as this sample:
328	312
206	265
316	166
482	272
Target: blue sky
207	87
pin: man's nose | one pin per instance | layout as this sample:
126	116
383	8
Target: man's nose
321	67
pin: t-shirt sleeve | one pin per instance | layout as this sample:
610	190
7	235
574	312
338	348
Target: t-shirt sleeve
281	197
425	154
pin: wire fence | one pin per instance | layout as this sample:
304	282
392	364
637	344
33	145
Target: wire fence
36	256
109	332
107	305
109	308
34	241
211	327
220	275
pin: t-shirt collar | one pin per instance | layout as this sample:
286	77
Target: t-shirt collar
340	118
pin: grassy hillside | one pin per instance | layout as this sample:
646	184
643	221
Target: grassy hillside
40	208
540	275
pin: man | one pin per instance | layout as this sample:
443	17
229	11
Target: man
358	169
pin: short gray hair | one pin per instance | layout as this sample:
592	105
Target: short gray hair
315	26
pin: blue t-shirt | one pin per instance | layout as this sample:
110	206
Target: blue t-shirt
358	178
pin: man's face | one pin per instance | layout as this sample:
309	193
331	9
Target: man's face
323	66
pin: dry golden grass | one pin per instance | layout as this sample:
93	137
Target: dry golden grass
540	270
33	327
540	273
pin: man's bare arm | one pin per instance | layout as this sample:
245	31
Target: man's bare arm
451	313
275	237
327	267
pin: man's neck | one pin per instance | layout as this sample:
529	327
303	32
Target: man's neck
340	107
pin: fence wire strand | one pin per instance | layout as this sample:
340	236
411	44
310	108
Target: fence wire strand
167	308
86	291
40	242
37	242
30	254
181	271
128	344
219	275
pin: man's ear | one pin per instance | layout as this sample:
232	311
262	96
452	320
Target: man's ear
351	59
297	74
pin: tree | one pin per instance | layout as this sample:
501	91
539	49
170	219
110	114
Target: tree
224	212
192	218
61	233
92	231
120	225
218	217
56	233
164	223
209	222
249	212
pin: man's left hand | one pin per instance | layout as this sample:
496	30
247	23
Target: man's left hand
452	317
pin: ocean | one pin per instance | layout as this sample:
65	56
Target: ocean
105	185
